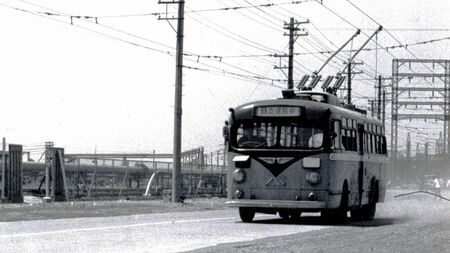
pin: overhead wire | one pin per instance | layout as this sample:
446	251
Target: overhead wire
87	29
327	48
110	36
387	31
297	64
351	24
266	13
244	40
377	43
390	29
232	36
390	34
273	25
157	14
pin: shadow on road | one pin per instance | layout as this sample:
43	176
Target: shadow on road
316	220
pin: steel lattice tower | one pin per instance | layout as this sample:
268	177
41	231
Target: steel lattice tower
412	81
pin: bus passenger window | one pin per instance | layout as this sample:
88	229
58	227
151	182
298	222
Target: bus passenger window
379	145
354	139
336	139
366	143
350	140
316	139
344	139
374	149
383	145
376	144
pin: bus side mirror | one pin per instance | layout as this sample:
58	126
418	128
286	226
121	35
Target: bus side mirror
333	135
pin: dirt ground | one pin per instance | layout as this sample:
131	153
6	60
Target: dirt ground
34	209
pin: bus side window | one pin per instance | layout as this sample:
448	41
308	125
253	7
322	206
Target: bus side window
366	150
380	145
377	137
373	144
354	140
349	140
344	139
336	132
383	145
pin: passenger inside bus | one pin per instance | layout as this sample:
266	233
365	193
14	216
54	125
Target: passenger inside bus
249	137
309	137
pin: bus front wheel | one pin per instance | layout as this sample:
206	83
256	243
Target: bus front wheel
338	215
246	214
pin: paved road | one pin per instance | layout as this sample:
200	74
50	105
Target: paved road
414	223
170	232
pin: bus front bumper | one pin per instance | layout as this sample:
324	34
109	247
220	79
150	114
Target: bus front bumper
261	203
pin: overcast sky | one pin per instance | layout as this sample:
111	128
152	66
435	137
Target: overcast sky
109	86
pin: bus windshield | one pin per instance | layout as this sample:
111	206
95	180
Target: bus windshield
278	135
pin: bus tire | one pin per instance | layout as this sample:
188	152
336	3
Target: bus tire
370	209
284	214
367	212
246	214
338	215
295	215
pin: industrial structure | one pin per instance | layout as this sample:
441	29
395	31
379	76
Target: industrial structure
420	94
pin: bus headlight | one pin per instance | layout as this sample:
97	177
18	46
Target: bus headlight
311	163
239	176
313	178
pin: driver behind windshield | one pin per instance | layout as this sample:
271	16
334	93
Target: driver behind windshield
249	137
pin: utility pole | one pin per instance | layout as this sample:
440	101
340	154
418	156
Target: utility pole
176	173
349	83
379	98
408	158
384	109
3	167
349	72
292	27
426	159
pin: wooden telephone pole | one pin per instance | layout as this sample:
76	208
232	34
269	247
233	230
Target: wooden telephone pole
293	34
176	173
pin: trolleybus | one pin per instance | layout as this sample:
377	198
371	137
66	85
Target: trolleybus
305	152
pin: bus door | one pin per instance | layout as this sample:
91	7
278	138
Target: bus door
361	164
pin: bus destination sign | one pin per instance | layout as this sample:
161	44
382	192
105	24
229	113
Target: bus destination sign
278	111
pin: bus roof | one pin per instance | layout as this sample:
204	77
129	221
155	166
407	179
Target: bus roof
314	102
